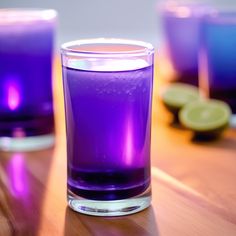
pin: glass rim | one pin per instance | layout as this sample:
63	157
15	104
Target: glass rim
145	48
25	15
184	9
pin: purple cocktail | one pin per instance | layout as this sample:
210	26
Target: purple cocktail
181	27
108	117
26	50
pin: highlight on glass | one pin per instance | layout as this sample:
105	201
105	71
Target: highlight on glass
26	57
218	57
108	97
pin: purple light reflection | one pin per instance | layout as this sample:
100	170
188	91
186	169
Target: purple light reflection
12	93
13	97
17	175
128	143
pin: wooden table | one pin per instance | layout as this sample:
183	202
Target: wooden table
194	190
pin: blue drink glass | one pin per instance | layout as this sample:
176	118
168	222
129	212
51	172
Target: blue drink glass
26	57
218	57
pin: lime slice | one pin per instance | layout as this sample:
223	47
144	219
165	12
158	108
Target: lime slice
177	95
205	117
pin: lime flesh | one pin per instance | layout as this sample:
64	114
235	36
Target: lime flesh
177	95
209	116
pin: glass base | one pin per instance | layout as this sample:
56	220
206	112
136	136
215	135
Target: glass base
233	121
32	143
110	208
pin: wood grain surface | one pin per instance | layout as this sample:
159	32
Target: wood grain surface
193	185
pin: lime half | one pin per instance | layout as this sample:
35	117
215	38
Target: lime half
209	116
177	95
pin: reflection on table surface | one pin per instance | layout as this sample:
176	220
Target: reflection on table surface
193	185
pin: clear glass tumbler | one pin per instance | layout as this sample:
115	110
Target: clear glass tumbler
26	57
108	97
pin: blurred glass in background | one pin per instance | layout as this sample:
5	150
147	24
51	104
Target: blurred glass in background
181	21
26	59
217	59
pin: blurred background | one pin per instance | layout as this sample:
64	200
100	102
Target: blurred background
99	18
102	18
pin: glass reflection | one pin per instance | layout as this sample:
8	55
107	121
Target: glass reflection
16	169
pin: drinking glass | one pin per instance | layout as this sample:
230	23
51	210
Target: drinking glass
108	97
181	21
26	104
218	57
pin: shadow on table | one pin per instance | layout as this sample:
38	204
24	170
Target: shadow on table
223	142
143	223
23	177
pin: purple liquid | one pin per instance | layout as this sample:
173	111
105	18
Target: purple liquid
181	26
26	106
108	132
